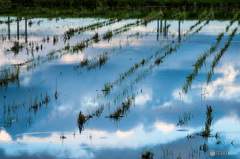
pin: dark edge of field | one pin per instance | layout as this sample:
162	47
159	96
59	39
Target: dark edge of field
223	9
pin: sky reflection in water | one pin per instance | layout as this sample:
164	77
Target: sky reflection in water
159	101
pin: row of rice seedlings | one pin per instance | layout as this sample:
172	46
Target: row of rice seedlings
8	75
7	108
55	38
101	59
219	55
34	46
233	20
204	15
127	27
71	32
9	21
145	61
71	49
38	103
201	60
81	45
11	109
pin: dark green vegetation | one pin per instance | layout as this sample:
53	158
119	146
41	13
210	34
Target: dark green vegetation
117	3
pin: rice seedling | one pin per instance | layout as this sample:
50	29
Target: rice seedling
96	38
108	35
55	40
85	43
62	136
16	47
147	153
103	59
204	147
185	119
56	92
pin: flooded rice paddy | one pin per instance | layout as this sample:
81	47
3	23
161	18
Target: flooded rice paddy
119	88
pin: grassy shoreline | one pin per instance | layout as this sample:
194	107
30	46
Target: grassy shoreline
118	3
219	14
